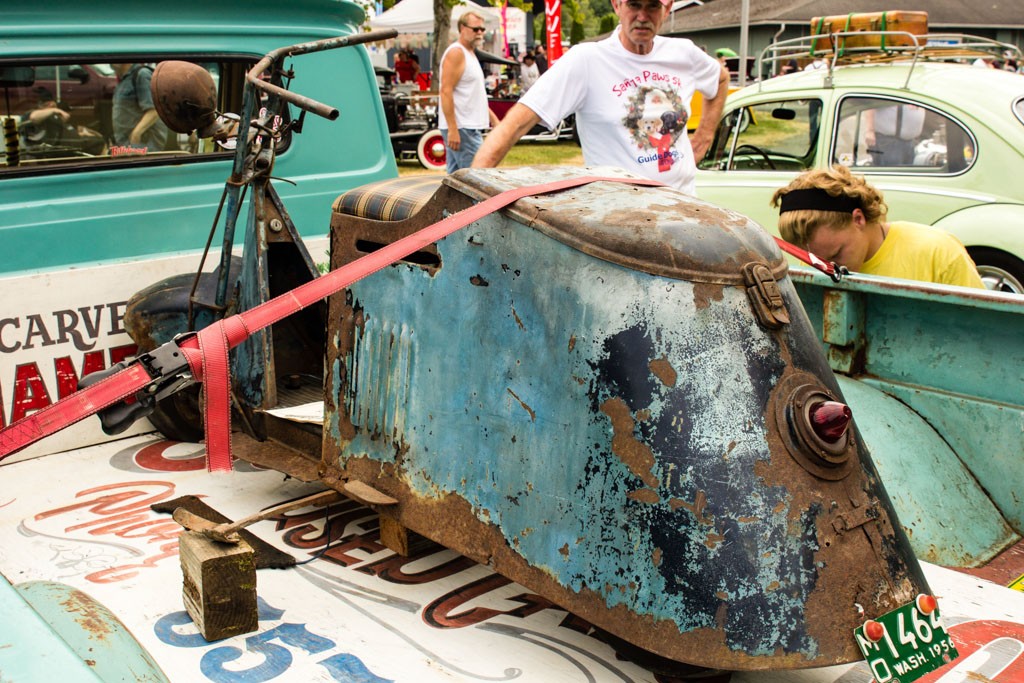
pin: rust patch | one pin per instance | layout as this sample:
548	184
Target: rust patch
773	586
451	521
572	342
664	371
644	496
533	415
518	320
696	507
704	294
564	550
89	614
637	456
656	557
479	281
712	540
643	415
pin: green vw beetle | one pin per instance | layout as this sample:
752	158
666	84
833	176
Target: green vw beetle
943	139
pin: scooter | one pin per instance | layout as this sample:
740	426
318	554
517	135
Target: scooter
611	395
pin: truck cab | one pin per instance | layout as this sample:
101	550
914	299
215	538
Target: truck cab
89	216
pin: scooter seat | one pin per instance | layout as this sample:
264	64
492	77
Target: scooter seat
388	200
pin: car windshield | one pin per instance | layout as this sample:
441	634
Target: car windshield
780	135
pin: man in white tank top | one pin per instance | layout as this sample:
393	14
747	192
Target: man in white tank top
464	112
631	96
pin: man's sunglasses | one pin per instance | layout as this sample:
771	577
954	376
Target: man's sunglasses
476	29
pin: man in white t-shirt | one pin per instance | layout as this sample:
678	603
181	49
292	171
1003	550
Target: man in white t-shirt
464	113
631	95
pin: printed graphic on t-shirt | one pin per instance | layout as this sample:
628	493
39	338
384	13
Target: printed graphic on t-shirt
655	118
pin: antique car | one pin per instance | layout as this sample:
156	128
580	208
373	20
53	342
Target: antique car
963	127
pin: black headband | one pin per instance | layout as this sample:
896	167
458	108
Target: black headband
816	199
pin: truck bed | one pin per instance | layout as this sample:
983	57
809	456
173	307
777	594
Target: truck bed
356	611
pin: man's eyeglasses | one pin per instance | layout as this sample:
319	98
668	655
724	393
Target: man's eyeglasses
476	29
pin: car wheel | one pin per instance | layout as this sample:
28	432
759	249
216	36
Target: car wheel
1001	272
179	417
430	150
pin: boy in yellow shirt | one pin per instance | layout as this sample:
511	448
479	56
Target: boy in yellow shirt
840	217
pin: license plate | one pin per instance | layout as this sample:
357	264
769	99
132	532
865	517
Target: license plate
907	643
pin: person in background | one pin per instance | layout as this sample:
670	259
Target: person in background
631	96
135	121
839	217
404	67
723	54
540	55
464	113
891	133
528	73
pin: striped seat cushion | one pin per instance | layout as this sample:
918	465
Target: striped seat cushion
388	200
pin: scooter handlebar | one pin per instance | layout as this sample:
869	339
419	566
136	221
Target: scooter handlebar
300	101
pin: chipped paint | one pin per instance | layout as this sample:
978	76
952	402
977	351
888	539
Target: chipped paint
623	461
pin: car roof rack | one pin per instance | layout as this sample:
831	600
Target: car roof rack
874	47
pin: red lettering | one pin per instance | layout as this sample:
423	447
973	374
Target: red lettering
393	569
119	353
67	378
29	391
153	457
107	504
440	613
339	554
125	514
303	533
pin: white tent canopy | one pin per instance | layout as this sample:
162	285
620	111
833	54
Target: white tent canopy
417	16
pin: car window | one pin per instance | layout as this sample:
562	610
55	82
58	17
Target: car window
780	135
61	117
1018	109
883	134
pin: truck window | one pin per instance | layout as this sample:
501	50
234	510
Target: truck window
886	135
781	135
76	117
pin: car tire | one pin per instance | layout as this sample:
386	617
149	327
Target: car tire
430	150
1001	272
179	417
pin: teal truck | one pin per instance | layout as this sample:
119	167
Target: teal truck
616	396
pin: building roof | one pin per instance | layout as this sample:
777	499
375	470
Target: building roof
942	14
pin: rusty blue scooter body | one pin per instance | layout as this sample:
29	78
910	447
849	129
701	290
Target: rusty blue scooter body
604	394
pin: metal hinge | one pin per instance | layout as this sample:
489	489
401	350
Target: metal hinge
765	295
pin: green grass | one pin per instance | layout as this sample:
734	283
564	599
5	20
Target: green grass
523	154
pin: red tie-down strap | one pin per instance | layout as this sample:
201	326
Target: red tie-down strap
207	351
833	270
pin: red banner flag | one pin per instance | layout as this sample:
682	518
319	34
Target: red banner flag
553	24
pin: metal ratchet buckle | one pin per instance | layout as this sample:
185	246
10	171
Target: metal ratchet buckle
169	373
838	272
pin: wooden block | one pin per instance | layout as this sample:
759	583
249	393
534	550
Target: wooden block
393	535
219	586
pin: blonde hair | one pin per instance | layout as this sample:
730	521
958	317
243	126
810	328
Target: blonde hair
798	226
465	15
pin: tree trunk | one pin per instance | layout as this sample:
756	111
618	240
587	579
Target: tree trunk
441	41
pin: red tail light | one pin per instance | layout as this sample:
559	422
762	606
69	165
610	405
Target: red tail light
926	604
830	420
873	630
